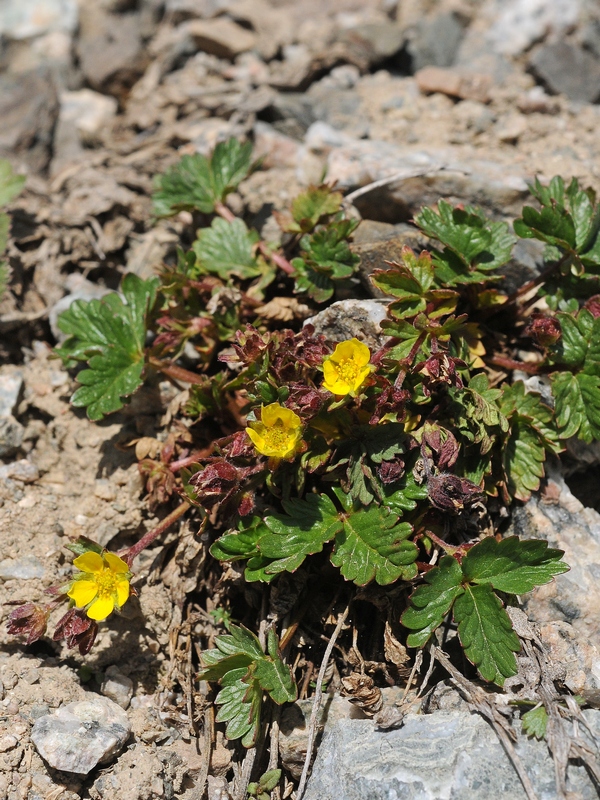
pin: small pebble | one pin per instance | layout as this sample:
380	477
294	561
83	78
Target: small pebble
117	687
7	742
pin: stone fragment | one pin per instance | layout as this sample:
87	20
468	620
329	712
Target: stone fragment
79	736
117	687
446	754
24	568
181	10
352	318
580	659
105	490
28	110
510	128
11	436
536	101
568	69
7	742
83	115
380	40
435	41
24	19
110	49
464	85
11	385
22	470
220	37
273	148
376	252
274	27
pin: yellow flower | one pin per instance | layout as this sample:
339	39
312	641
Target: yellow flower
347	368
278	433
103	584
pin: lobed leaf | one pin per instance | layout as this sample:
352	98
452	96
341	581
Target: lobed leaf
430	602
512	565
577	405
241	701
309	207
197	182
226	249
535	722
486	633
11	184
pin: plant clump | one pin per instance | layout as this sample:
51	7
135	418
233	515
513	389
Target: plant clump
318	470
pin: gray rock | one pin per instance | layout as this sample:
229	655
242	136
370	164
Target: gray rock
379	40
11	385
11	436
117	687
22	470
568	69
80	289
181	10
574	597
590	37
430	175
83	115
448	754
220	37
375	248
79	736
23	568
352	318
436	41
28	109
525	264
292	113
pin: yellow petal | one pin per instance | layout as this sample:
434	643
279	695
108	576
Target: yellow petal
101	608
289	418
89	562
122	593
354	350
270	414
115	563
361	378
257	439
83	592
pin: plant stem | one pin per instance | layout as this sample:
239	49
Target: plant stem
149	537
541	278
175	372
278	259
222	210
510	364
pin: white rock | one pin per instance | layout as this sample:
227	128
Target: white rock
519	23
10	391
117	687
23	19
87	111
24	568
81	735
21	470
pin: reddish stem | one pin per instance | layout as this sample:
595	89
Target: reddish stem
222	210
277	259
185	462
510	364
148	538
178	373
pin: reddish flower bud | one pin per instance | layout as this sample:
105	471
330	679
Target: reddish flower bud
593	305
451	493
544	330
77	629
29	620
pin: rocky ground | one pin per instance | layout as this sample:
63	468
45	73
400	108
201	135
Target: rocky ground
463	99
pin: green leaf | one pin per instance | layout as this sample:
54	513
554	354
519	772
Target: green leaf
535	722
577	405
245	671
431	601
403	495
486	633
479	245
4	231
200	183
315	282
512	565
372	545
111	334
241	701
240	544
309	207
226	249
328	248
11	184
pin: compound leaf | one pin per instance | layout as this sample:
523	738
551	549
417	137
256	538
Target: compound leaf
110	333
577	404
372	545
486	633
241	701
197	182
512	565
226	249
431	601
311	206
273	675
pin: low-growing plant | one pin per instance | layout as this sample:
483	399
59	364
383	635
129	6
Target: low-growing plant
379	466
10	188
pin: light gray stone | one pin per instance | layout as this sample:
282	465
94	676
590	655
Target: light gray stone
448	754
517	24
352	318
117	687
24	19
23	568
11	436
436	41
566	68
11	384
79	736
80	289
22	470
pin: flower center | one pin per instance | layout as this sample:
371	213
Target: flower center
106	582
277	437
348	370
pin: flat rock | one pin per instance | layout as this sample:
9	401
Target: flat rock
117	686
22	470
24	19
381	249
81	735
11	385
28	109
423	177
566	68
24	568
435	41
220	37
465	85
447	754
352	318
